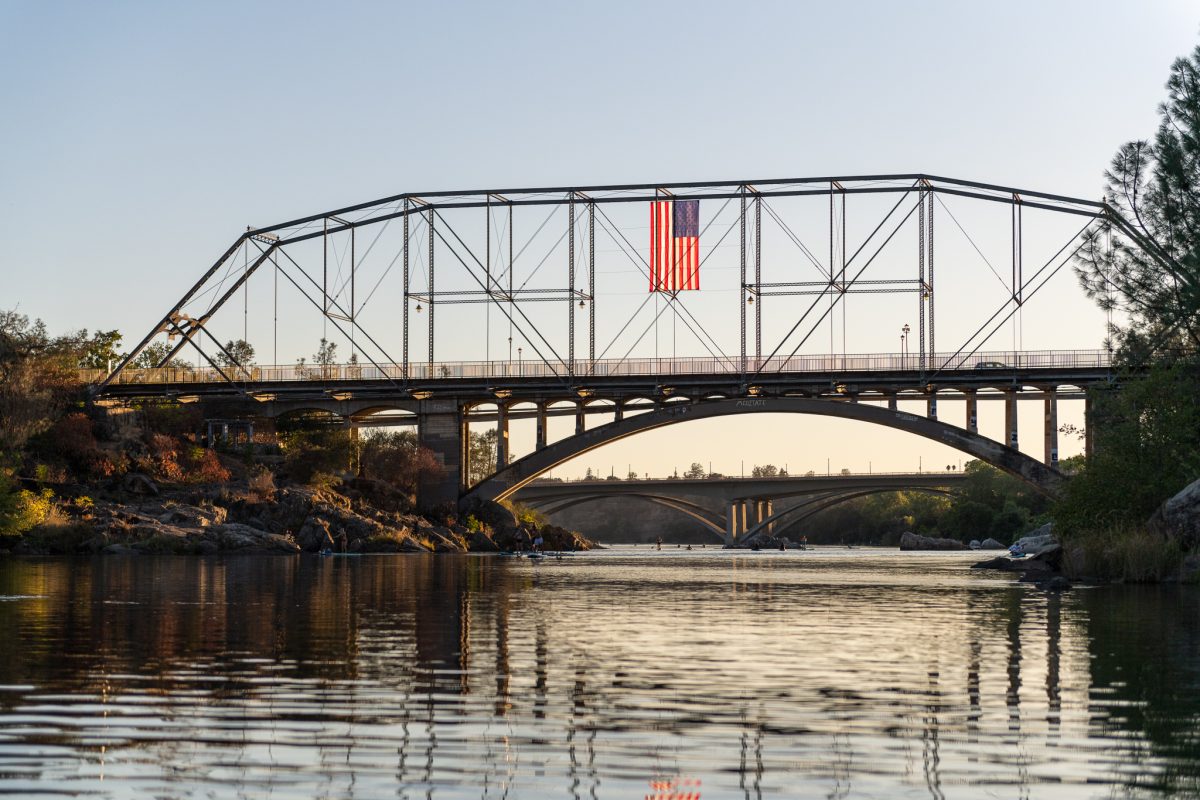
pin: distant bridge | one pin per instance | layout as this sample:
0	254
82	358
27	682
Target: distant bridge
736	509
765	244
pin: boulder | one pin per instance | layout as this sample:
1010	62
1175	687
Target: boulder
138	483
991	544
912	541
193	516
999	562
314	535
1036	541
480	542
1179	517
234	536
974	544
496	516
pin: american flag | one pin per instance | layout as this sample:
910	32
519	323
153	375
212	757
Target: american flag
674	245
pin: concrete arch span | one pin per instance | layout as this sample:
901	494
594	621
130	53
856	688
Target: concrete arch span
803	511
711	521
508	480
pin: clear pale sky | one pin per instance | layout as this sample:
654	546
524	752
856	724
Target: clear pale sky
139	139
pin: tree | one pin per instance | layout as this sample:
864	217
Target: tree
153	354
631	476
765	471
99	351
1146	429
1152	272
38	378
238	353
481	455
398	458
695	471
326	354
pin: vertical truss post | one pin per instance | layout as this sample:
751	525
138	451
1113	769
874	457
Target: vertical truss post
924	295
742	290
757	279
353	300
404	310
487	285
511	270
592	287
431	284
842	274
832	283
929	256
571	286
325	266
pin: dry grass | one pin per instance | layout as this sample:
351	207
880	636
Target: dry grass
1122	553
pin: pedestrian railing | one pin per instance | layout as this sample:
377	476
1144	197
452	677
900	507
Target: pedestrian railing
629	367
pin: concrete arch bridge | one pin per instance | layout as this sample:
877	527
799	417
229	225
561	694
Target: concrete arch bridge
734	510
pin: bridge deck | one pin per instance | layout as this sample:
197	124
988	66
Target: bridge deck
885	369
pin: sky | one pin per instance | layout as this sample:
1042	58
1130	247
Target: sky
141	138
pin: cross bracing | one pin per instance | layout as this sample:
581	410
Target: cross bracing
553	281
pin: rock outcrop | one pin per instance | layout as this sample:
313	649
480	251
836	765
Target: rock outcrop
1036	541
1179	517
913	541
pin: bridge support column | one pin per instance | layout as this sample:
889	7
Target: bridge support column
931	407
541	426
891	402
580	425
1051	454
733	522
501	436
768	512
1088	420
1010	418
618	412
972	411
440	427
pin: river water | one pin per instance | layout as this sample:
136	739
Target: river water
626	673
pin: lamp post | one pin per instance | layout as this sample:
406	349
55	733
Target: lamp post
520	362
904	345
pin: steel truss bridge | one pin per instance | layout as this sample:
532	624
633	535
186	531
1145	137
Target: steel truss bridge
456	256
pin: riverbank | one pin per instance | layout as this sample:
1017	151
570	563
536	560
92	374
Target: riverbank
357	515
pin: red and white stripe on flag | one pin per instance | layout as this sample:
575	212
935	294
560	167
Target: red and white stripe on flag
674	260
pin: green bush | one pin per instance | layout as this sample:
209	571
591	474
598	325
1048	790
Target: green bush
20	509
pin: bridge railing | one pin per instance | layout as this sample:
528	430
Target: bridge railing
997	361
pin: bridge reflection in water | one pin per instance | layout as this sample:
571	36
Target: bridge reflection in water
768	675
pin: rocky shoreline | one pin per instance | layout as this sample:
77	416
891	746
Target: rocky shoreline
359	516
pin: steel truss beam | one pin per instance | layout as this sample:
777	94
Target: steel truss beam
272	241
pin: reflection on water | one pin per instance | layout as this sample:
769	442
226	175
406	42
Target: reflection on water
619	674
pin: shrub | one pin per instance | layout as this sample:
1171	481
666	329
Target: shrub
398	459
22	510
172	460
324	481
1125	553
473	524
314	444
527	515
262	484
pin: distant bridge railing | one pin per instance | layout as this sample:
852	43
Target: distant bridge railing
631	367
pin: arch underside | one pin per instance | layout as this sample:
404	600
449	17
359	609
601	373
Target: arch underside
503	483
717	524
803	511
711	521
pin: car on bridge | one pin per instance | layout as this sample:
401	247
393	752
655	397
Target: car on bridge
991	365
